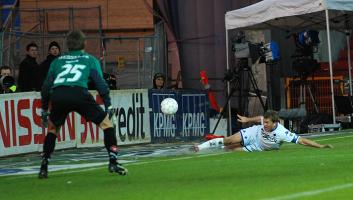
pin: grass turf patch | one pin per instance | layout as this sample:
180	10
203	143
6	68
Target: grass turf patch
294	172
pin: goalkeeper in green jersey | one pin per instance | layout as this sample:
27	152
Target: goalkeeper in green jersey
65	87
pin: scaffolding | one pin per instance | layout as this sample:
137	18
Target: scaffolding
133	60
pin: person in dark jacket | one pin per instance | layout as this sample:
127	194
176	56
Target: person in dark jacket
53	52
29	72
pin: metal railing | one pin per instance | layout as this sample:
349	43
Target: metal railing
133	60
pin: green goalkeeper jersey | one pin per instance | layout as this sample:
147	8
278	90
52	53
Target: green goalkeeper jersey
75	69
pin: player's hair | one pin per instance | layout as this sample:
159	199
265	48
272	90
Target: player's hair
32	44
75	40
272	115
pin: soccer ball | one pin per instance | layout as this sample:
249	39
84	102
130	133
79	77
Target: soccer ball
169	106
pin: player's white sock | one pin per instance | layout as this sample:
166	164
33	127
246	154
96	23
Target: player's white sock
217	142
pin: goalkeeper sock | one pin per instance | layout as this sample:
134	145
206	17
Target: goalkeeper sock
111	144
217	142
49	145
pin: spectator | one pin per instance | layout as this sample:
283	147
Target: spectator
5	70
53	52
29	72
7	82
109	78
158	81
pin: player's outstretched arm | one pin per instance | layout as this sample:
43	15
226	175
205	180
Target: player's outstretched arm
244	119
307	142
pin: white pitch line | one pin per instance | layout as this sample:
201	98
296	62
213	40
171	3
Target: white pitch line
127	164
347	136
174	159
145	162
312	192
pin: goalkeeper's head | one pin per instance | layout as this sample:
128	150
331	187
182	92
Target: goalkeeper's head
76	40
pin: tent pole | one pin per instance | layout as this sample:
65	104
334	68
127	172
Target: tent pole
349	62
228	89
330	62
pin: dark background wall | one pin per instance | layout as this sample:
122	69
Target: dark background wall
199	28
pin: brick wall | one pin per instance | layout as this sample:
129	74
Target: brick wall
117	15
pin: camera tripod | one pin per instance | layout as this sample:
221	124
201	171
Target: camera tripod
236	85
303	87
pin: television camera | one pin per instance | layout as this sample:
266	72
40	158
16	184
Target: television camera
242	76
7	84
306	43
258	52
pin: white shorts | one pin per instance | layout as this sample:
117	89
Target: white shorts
250	138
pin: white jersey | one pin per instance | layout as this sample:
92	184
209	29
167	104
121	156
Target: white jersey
255	138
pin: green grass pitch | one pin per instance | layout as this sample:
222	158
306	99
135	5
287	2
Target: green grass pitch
294	172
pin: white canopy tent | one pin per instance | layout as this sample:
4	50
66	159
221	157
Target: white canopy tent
293	16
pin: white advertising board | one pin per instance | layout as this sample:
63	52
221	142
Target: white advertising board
21	131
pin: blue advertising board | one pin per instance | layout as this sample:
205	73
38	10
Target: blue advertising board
191	122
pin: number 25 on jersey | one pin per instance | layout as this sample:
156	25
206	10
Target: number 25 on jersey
71	73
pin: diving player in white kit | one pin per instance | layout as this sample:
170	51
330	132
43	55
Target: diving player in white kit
267	136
